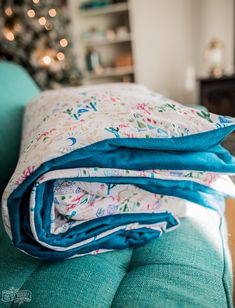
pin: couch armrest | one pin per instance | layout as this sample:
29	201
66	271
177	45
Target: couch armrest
16	89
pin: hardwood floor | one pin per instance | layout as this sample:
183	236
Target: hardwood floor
230	215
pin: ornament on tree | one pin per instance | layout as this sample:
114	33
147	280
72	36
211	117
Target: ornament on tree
33	34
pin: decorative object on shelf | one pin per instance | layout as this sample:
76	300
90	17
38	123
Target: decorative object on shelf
93	61
122	32
95	35
214	57
93	4
110	34
123	60
112	72
110	8
34	35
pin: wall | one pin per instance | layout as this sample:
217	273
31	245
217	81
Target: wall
170	38
163	45
215	19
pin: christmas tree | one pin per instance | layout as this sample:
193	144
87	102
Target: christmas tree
34	34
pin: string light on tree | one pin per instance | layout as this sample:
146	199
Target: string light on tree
52	12
46	60
8	11
63	42
42	21
31	13
60	56
9	35
43	57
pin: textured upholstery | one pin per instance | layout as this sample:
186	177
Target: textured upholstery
16	88
189	267
184	268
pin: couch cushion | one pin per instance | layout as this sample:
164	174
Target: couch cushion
189	267
16	89
180	269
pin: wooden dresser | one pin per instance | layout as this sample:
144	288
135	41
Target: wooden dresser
218	94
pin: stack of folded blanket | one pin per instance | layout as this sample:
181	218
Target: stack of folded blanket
112	166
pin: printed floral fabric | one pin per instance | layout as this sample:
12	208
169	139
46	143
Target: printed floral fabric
87	155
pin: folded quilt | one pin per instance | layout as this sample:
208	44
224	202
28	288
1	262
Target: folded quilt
112	166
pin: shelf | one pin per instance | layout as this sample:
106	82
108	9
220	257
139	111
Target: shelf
98	19
111	72
106	42
109	9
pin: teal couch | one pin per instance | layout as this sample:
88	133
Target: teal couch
189	267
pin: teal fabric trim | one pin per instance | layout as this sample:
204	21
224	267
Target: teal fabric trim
103	153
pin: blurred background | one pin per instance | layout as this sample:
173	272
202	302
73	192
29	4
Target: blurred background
183	49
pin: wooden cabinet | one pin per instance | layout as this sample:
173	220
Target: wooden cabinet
218	95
